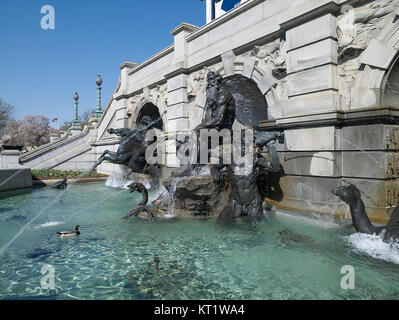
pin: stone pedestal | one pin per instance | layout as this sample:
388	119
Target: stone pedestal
9	158
75	130
13	176
190	192
54	136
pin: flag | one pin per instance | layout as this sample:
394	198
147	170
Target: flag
55	120
229	4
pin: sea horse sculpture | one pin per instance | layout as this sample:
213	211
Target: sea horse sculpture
142	207
351	195
132	149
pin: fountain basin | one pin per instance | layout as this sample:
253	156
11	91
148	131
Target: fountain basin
283	257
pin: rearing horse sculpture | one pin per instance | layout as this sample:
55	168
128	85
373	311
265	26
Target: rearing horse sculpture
132	148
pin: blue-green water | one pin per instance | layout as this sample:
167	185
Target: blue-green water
282	257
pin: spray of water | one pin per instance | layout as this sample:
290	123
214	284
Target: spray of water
173	188
21	231
375	247
378	163
2	249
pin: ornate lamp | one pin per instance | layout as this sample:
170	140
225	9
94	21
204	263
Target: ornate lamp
98	111
75	122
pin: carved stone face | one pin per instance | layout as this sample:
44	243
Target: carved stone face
348	194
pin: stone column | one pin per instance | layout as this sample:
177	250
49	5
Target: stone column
121	113
178	111
310	155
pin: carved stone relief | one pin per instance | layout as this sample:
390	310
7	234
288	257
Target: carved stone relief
195	81
160	93
133	103
355	29
273	55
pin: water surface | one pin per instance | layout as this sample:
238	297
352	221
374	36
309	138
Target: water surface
282	257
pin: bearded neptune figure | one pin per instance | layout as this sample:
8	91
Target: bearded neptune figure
220	105
246	198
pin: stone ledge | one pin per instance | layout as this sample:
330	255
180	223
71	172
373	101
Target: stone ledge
184	27
375	115
48	182
309	12
129	65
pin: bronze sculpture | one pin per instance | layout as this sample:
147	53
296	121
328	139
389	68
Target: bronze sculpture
132	148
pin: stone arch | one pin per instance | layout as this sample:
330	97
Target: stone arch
376	61
238	65
153	101
251	104
390	96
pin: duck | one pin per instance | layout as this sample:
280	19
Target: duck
352	196
69	233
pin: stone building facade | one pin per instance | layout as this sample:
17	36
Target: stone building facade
328	77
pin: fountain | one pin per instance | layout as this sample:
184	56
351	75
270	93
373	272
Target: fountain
239	190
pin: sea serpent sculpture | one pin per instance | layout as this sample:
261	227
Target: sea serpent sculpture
352	196
142	207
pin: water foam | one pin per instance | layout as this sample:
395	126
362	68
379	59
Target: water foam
168	216
117	180
375	247
48	224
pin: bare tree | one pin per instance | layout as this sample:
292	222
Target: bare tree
6	111
85	116
66	125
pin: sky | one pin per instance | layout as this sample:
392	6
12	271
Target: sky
41	69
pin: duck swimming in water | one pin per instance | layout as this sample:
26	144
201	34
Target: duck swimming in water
69	233
352	196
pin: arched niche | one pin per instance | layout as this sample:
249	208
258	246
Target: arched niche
151	110
251	105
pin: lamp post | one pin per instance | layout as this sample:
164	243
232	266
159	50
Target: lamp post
98	111
75	122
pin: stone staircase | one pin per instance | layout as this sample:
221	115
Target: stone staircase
63	153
